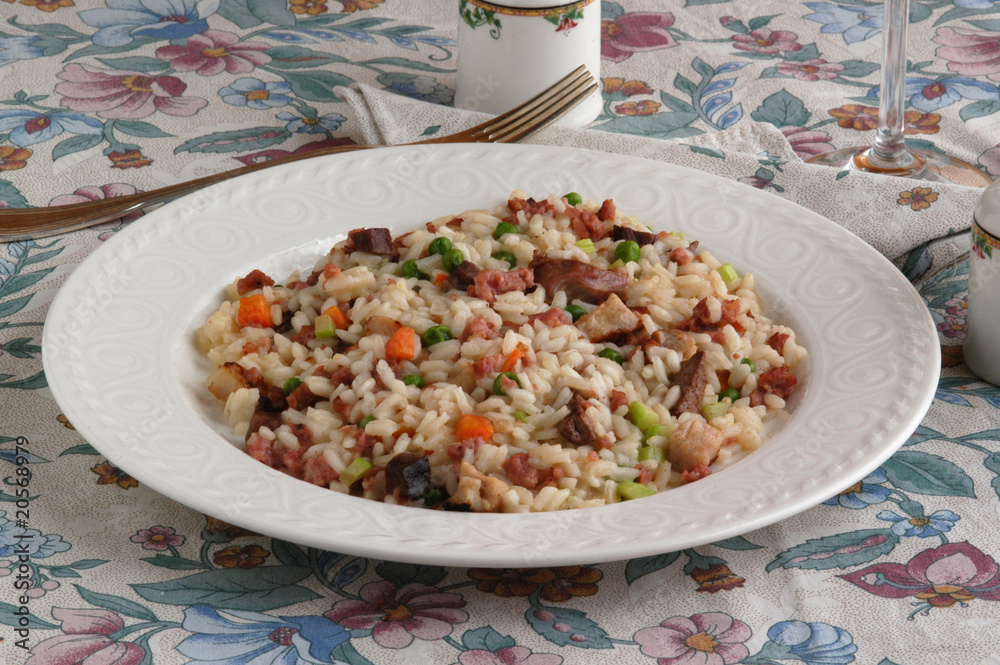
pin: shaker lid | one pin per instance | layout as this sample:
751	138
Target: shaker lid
987	213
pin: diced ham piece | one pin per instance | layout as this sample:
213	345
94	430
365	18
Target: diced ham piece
259	345
253	281
491	283
586	224
302	398
697	473
693	444
269	419
261	449
520	472
463	276
635	235
607	211
317	470
372	241
692	379
479	328
777	381
681	256
645	475
272	399
486	365
553	318
618	400
576	427
304	334
777	341
608	320
580	280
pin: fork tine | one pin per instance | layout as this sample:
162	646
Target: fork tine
543	117
543	99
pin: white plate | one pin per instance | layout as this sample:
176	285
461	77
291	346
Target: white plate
121	362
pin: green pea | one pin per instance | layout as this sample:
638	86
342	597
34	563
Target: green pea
732	393
364	421
627	250
503	228
452	259
410	269
753	365
520	416
611	354
290	385
506	256
436	334
439	245
413	380
498	389
573	199
575	311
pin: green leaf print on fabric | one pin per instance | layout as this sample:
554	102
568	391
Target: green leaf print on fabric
839	551
565	627
257	589
924	473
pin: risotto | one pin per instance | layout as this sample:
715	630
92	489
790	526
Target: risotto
545	355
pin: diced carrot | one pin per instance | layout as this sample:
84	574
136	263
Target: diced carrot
440	279
402	345
340	320
255	312
471	426
510	362
330	270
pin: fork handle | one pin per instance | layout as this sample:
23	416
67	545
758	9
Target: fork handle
44	221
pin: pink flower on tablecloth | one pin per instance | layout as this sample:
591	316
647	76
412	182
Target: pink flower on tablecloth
124	94
159	538
93	193
955	573
767	41
85	639
953	326
213	52
516	655
990	160
712	638
811	70
807	142
957	306
970	53
397	615
638	31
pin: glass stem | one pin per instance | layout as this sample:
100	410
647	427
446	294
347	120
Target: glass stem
889	150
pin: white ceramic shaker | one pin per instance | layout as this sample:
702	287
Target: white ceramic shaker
509	53
982	344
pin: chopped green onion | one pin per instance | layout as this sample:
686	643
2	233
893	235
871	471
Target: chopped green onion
654	453
520	416
410	269
732	393
498	389
618	264
611	354
628	250
727	272
575	311
290	385
278	286
631	490
503	228
573	199
753	365
355	471
364	421
434	496
413	380
657	430
642	416
714	410
587	245
439	245
676	234
452	259
506	256
436	334
324	327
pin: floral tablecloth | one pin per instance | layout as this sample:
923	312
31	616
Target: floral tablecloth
100	99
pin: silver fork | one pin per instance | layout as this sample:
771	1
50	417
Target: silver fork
515	125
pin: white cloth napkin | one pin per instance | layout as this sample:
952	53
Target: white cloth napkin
886	212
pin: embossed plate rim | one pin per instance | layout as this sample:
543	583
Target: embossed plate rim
158	436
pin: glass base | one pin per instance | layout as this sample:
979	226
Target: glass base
924	165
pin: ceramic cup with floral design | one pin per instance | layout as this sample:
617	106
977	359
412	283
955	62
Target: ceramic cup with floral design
982	343
508	53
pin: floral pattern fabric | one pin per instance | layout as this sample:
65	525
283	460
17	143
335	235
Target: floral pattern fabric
103	98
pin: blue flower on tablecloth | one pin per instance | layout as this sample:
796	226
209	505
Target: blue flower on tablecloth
28	127
855	23
417	86
302	125
20	48
812	643
241	638
868	491
124	20
928	95
254	93
16	540
922	527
